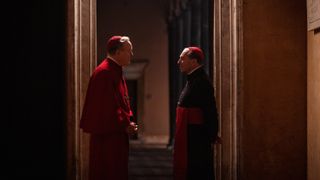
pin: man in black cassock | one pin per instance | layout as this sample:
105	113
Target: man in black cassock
196	121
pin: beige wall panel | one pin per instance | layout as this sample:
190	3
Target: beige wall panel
313	105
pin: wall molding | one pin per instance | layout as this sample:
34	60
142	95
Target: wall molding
228	57
81	60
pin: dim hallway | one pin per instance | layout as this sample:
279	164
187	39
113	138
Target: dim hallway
262	57
150	162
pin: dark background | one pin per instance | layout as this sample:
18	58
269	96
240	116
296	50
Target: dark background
35	89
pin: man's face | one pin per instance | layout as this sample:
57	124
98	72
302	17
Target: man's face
185	63
125	54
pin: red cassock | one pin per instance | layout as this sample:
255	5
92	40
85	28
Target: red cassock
106	114
184	116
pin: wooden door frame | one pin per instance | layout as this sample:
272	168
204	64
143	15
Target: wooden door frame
81	60
228	80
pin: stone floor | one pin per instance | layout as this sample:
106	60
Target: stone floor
150	162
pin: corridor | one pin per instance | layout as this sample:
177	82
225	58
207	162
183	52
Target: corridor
262	56
153	162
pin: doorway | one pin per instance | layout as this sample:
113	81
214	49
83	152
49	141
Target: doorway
133	94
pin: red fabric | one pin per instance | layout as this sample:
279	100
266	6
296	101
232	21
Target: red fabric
198	52
106	115
106	108
113	42
108	157
184	116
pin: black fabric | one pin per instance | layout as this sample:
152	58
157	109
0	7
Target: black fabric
200	154
199	93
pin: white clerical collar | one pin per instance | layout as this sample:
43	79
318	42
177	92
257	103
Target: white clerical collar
194	69
109	57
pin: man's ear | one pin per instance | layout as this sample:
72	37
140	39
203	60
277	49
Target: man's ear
117	52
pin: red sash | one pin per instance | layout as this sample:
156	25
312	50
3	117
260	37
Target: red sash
184	116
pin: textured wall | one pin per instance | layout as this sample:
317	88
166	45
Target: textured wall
313	106
273	132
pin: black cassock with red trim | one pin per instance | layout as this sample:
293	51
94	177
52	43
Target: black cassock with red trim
196	129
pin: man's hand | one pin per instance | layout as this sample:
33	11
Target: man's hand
132	128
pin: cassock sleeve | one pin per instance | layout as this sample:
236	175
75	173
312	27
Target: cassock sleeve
209	110
100	111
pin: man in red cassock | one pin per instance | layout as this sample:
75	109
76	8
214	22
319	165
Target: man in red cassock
106	114
196	121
